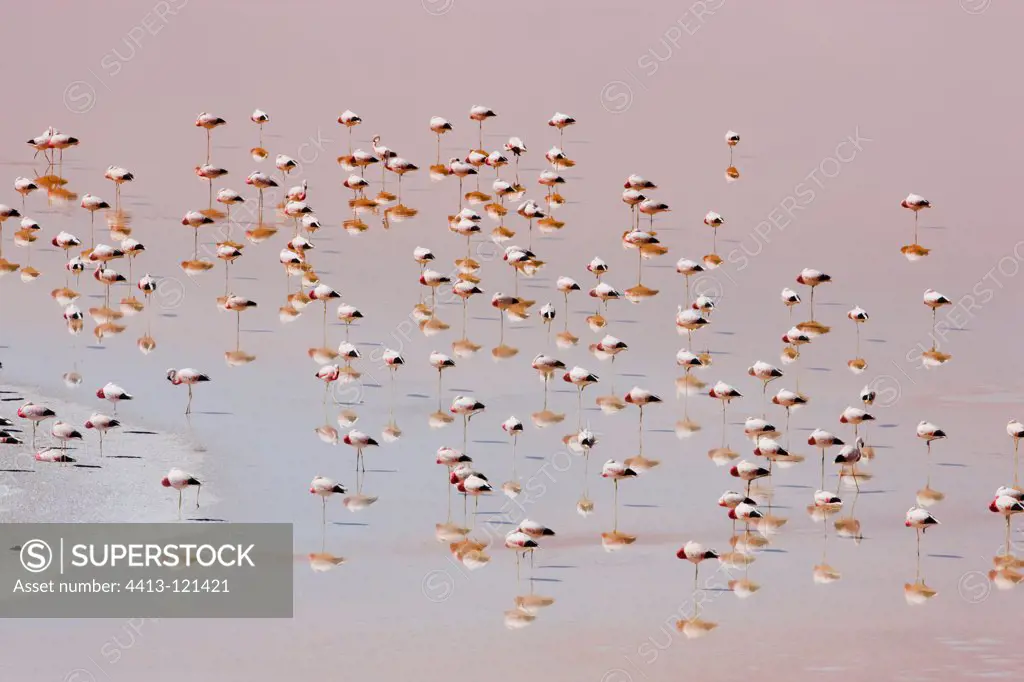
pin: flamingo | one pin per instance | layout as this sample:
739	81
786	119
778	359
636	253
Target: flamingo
929	432
920	520
179	480
24	187
827	500
119	176
823	440
1007	505
440	362
474	484
789	298
60	142
616	471
714	221
433	279
915	202
632	198
260	181
850	455
730	499
522	543
209	122
92	203
114	394
745	511
41	143
64	432
325	487
189	377
108	277
350	120
237	304
732	138
687	268
439	126
652	208
766	373
102	423
695	553
812	278
359	441
260	118
35	414
580	378
855	416
467	407
641	397
639	182
935	300
517	148
400	166
546	365
749	472
323	293
480	114
726	393
561	121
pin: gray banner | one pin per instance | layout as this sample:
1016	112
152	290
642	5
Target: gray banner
162	570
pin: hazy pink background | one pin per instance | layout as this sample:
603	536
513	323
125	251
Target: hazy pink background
930	84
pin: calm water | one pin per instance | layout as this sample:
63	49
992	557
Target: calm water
843	111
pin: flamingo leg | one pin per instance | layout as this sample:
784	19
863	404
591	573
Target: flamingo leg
615	526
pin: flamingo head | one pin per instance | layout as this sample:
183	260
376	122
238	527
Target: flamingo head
800	279
734	471
165	482
992	507
100	394
732	513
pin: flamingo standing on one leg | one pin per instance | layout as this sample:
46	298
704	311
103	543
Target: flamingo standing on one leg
823	440
616	471
102	423
467	407
915	202
114	394
209	122
260	118
35	414
920	520
179	480
695	553
325	487
189	377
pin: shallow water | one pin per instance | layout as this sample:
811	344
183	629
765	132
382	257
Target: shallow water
795	80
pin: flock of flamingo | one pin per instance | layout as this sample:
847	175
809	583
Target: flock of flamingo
749	506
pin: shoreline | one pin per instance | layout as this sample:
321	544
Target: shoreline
122	486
